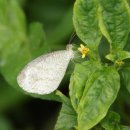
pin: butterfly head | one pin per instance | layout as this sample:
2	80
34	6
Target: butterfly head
70	50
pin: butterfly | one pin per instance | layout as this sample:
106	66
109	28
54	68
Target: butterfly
44	74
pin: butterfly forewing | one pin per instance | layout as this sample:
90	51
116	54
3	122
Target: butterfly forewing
44	74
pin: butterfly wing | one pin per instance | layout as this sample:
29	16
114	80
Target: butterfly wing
44	74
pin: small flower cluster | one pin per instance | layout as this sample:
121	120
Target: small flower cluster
84	50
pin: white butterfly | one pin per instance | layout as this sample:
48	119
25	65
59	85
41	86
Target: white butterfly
44	74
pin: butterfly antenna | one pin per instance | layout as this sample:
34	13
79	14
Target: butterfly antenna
72	37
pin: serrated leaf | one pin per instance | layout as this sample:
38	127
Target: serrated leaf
114	22
67	119
78	79
111	121
100	92
85	20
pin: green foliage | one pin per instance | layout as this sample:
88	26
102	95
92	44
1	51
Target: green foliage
37	39
13	36
67	119
86	22
95	82
6	91
93	89
111	121
78	80
118	56
100	92
18	47
4	124
124	127
126	77
114	22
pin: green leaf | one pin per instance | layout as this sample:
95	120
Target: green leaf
100	92
128	2
127	46
67	119
97	127
10	13
114	22
5	124
125	72
37	39
16	49
8	101
111	121
85	20
56	37
78	79
124	127
118	55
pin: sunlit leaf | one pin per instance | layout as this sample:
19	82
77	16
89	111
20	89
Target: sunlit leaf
100	92
85	20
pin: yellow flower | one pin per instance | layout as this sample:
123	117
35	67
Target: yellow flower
84	50
119	63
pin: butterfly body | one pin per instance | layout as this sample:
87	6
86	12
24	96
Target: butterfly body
44	74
